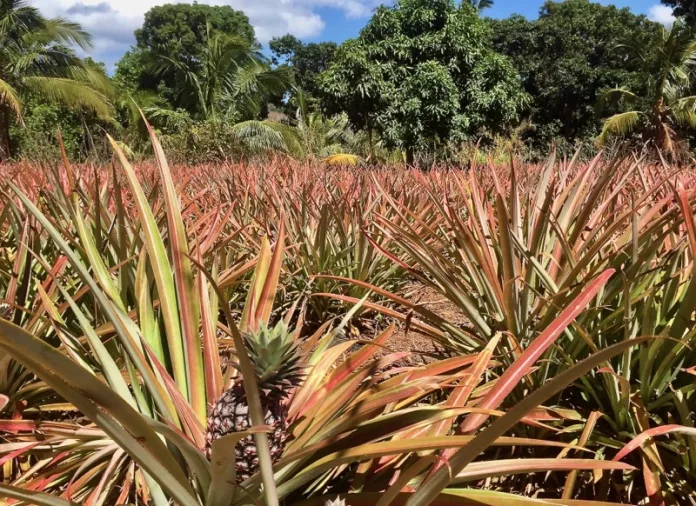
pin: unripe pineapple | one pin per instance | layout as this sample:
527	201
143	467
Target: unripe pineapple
278	366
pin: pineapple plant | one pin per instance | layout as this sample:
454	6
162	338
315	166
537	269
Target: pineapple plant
278	367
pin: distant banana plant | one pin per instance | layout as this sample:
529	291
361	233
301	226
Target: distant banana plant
309	134
320	136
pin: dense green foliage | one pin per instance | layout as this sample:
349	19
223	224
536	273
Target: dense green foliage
686	8
567	58
425	80
667	106
306	60
182	28
175	41
422	73
37	65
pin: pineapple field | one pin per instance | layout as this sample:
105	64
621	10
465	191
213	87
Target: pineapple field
284	332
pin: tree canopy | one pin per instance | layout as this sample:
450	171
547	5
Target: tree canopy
182	28
432	78
307	61
685	8
36	62
423	73
567	58
179	32
666	106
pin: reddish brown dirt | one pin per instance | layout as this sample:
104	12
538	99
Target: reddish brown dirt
422	348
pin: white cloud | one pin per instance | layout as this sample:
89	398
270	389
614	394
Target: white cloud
112	23
661	14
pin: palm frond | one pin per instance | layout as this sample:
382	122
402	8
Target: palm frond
619	125
53	61
259	136
93	77
60	31
612	96
18	19
685	117
70	93
10	97
169	118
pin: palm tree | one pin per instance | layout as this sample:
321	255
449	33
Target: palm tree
309	134
319	135
233	78
666	103
480	5
35	58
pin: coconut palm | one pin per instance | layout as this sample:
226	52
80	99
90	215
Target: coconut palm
35	58
665	105
232	78
480	5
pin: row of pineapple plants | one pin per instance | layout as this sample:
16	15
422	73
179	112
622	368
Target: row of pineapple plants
156	345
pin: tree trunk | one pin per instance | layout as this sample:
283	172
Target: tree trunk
410	156
5	147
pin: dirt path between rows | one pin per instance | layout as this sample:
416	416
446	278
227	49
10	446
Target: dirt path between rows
423	349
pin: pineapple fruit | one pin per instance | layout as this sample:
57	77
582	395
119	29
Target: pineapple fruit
278	366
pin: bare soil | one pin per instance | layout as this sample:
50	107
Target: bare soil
422	348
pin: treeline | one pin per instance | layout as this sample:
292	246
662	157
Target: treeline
425	80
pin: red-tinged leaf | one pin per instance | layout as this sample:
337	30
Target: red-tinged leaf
553	414
69	173
508	264
29	496
322	408
690	370
21	451
650	456
211	355
662	430
18	267
127	484
584	437
183	408
163	275
253	299
461	394
270	285
506	467
683	200
520	368
301	403
17	426
439	368
356	360
183	279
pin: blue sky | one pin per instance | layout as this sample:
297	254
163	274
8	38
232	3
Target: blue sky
339	27
112	22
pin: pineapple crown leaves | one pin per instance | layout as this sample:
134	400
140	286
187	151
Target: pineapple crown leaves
335	502
274	352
